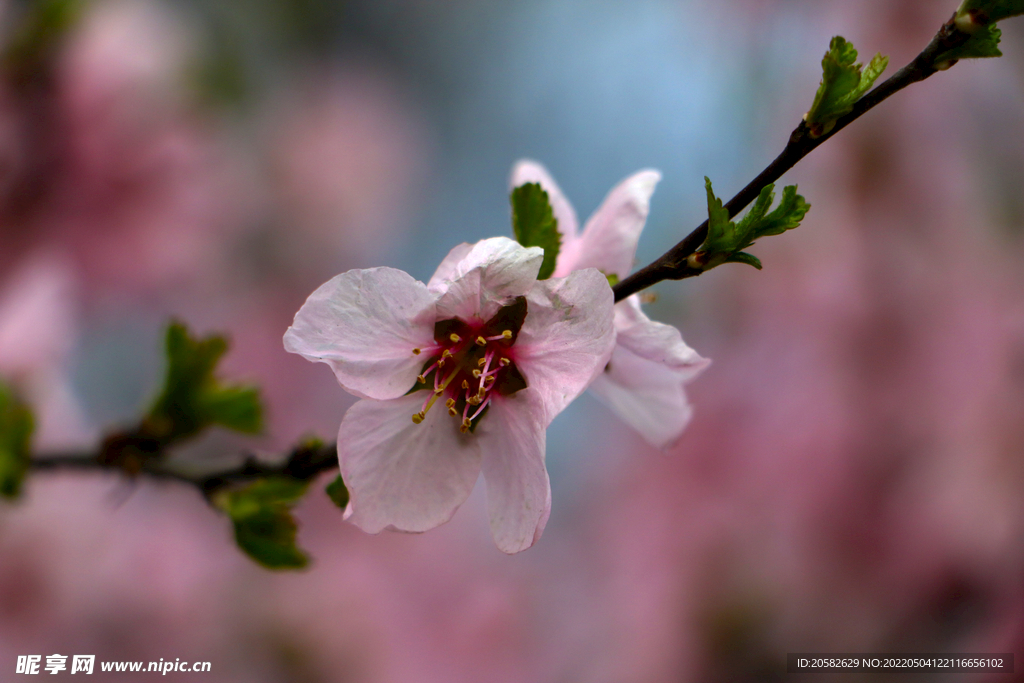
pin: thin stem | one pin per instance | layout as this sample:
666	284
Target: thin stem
304	463
672	265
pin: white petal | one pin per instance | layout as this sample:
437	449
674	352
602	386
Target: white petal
529	171
643	382
518	490
445	272
655	341
609	238
401	475
567	337
494	271
365	325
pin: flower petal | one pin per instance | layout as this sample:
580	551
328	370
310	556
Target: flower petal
609	238
529	171
446	271
655	341
643	382
567	337
365	325
492	272
401	475
518	489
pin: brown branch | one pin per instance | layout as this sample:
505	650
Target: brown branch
673	265
305	462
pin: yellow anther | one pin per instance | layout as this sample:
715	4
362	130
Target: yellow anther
464	429
440	363
446	354
450	402
481	361
465	384
476	372
489	379
503	362
421	379
453	412
455	338
416	352
473	400
507	334
418	417
481	341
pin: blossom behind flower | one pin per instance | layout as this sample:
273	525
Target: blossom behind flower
504	354
643	382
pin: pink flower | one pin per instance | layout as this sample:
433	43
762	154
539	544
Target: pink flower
459	375
643	383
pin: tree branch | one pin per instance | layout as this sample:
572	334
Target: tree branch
673	265
304	463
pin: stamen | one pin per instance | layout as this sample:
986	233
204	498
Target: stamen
480	409
476	372
506	335
446	354
418	417
439	390
416	352
453	412
481	341
465	384
489	379
487	364
450	402
455	338
481	361
503	362
466	424
422	379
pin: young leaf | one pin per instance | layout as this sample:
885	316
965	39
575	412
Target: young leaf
984	42
264	527
192	398
843	82
983	12
722	236
16	426
534	224
726	240
338	492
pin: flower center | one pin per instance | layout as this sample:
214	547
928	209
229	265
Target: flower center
470	364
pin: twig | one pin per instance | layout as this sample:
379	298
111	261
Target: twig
303	463
673	264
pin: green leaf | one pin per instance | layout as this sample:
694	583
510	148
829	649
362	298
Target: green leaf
744	257
338	492
984	42
843	82
264	526
722	236
726	240
192	398
16	426
534	224
983	12
40	30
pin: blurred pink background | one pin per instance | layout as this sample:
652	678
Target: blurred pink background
853	480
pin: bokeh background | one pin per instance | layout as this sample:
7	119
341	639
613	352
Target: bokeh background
853	480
